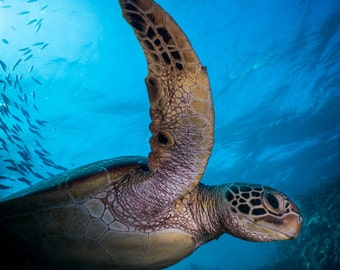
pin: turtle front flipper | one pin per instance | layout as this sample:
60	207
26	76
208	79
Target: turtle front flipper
180	99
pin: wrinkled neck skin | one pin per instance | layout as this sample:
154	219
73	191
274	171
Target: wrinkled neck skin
199	212
151	207
207	212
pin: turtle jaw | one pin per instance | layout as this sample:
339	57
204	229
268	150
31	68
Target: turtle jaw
287	227
292	228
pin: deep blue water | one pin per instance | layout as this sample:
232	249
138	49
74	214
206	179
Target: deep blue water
274	70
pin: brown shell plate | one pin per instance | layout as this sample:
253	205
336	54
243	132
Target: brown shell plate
67	226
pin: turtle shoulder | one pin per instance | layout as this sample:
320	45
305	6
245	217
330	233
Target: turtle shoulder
72	186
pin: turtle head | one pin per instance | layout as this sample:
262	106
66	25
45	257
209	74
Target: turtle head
259	213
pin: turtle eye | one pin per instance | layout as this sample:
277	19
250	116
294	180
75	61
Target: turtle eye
272	201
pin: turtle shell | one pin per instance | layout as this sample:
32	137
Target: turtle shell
63	224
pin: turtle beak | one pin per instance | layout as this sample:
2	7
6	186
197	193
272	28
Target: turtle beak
274	228
291	226
286	228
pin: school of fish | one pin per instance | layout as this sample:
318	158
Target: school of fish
22	151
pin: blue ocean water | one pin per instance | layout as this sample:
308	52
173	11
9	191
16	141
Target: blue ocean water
72	92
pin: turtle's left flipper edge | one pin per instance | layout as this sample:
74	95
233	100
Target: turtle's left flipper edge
179	92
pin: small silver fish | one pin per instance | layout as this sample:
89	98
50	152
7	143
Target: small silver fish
38	28
17	81
4	187
17	128
46	152
38	43
39	22
23	49
12	168
61	168
40	154
27	52
9	79
48	162
36	81
32	21
36	133
24	180
17	131
23	12
41	122
3	65
29	57
16	138
3	142
5	99
17	118
38	175
23	170
25	98
25	113
11	161
44	46
16	64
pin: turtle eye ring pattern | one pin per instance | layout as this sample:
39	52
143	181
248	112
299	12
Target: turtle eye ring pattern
257	200
273	202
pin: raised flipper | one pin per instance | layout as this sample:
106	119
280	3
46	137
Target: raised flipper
179	91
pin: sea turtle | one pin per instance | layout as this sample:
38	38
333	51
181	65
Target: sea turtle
145	213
